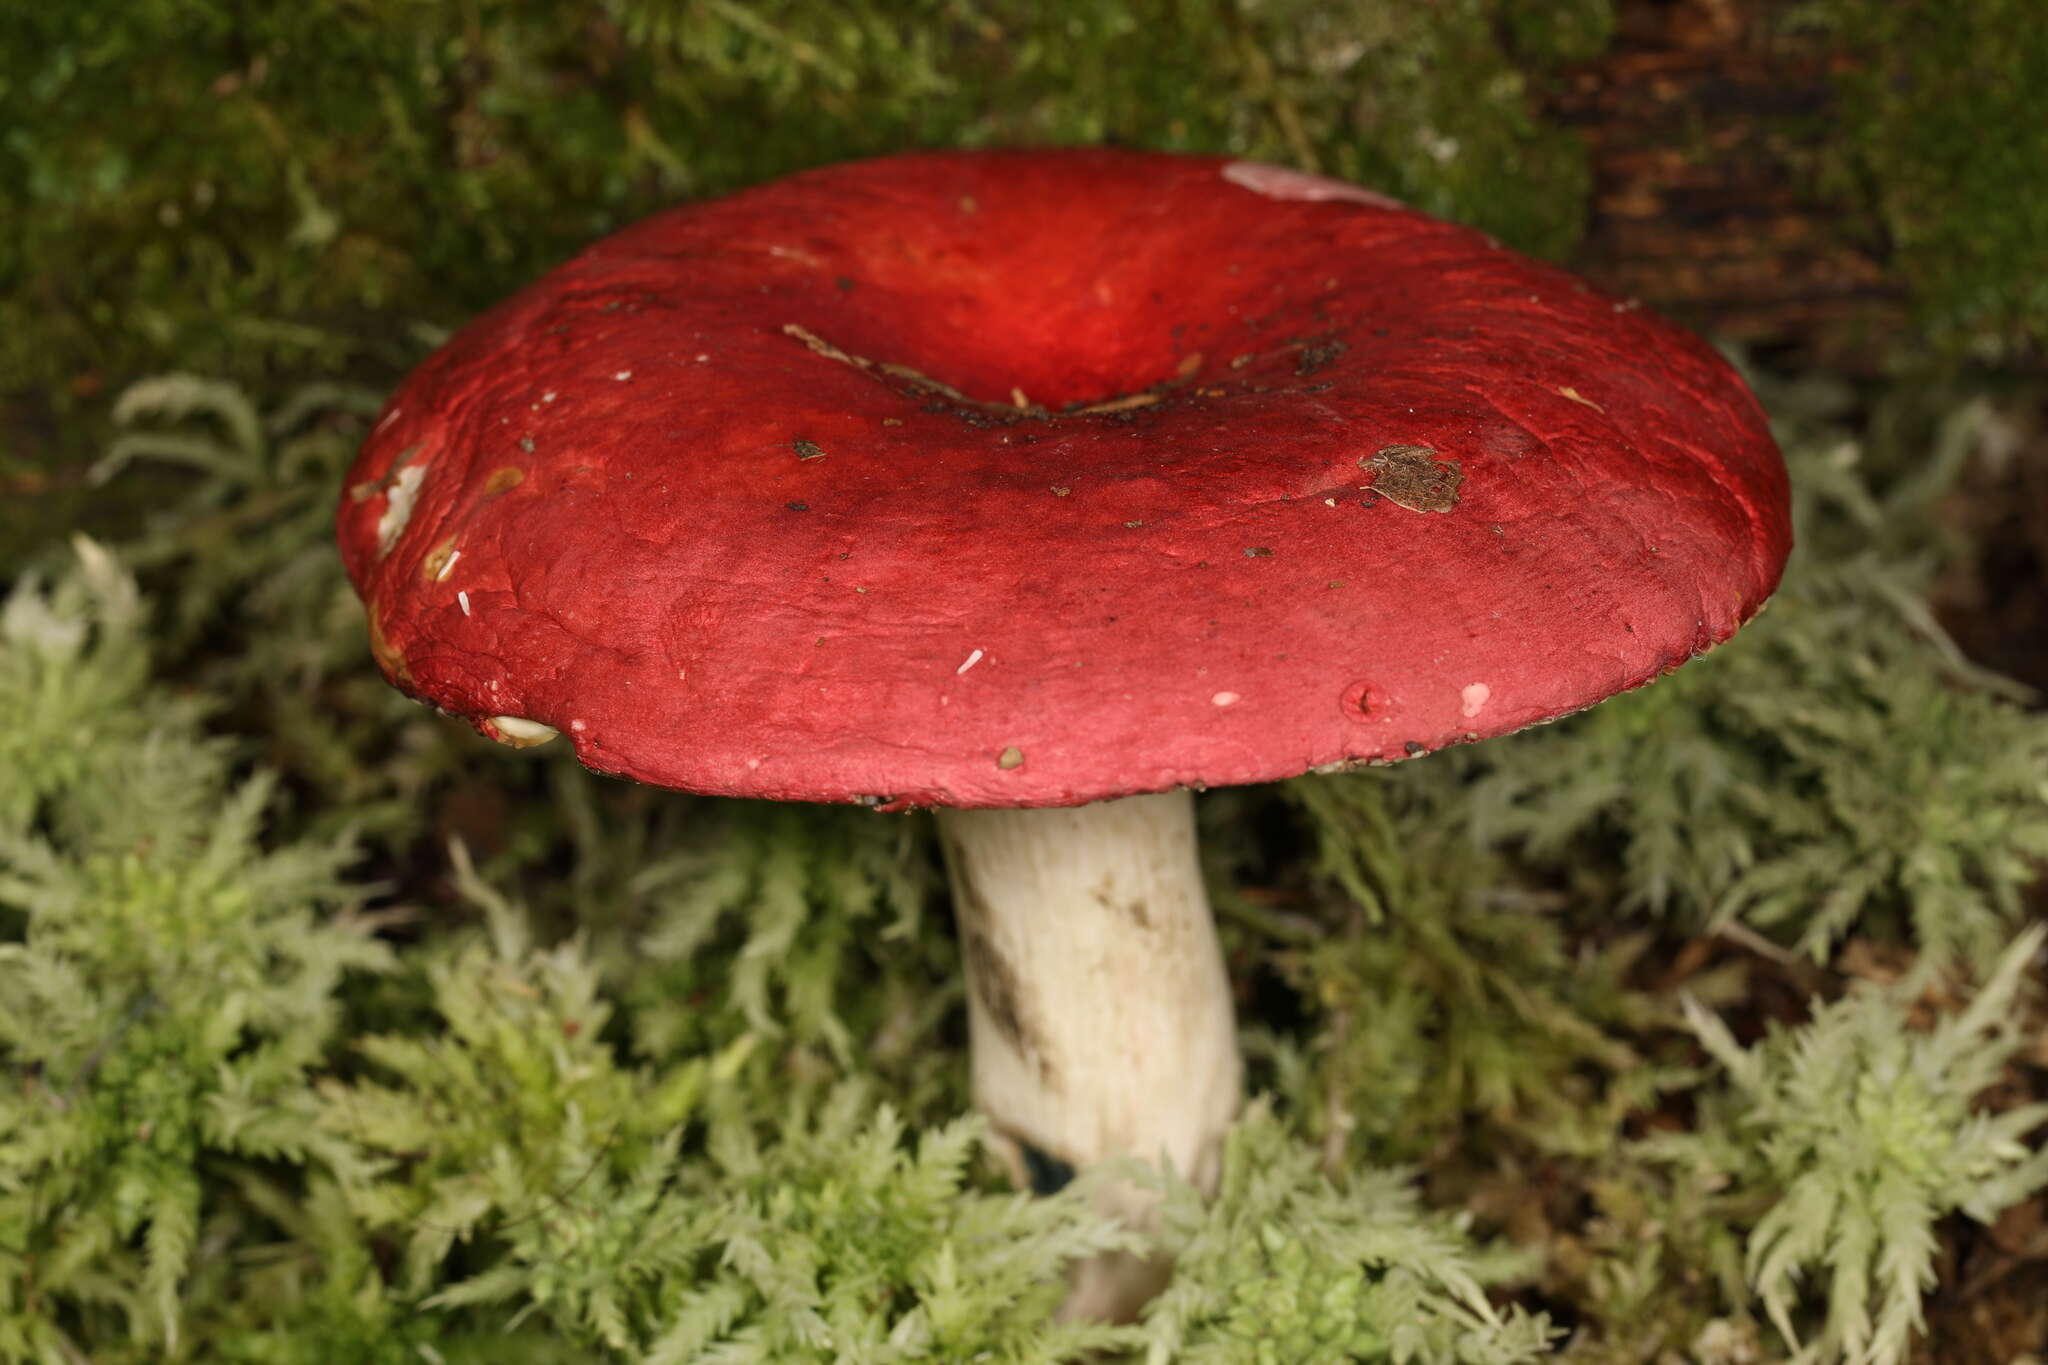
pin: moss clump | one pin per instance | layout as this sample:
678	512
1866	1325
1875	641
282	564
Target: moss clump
1941	141
298	188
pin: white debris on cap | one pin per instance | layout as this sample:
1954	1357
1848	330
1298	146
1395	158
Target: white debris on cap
1224	699
398	501
521	733
1475	697
972	660
1278	182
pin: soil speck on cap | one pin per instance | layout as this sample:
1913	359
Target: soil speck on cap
1317	354
435	566
807	450
1011	757
1258	552
1412	477
1413	749
385	653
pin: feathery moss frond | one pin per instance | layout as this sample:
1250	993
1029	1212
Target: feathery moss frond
1867	1132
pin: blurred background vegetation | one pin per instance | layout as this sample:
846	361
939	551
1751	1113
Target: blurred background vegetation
337	1034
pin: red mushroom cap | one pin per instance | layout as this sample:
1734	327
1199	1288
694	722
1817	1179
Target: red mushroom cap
1035	478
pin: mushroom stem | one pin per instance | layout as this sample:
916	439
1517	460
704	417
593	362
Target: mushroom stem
1099	1013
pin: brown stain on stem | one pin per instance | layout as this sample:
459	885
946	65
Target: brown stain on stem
1133	908
995	982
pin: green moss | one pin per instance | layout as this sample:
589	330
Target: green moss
293	1108
1941	144
1553	32
296	189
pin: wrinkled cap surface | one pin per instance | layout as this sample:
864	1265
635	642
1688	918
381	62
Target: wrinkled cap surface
1035	478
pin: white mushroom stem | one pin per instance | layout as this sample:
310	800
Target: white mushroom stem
1099	1012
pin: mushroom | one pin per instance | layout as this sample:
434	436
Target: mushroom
1043	489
